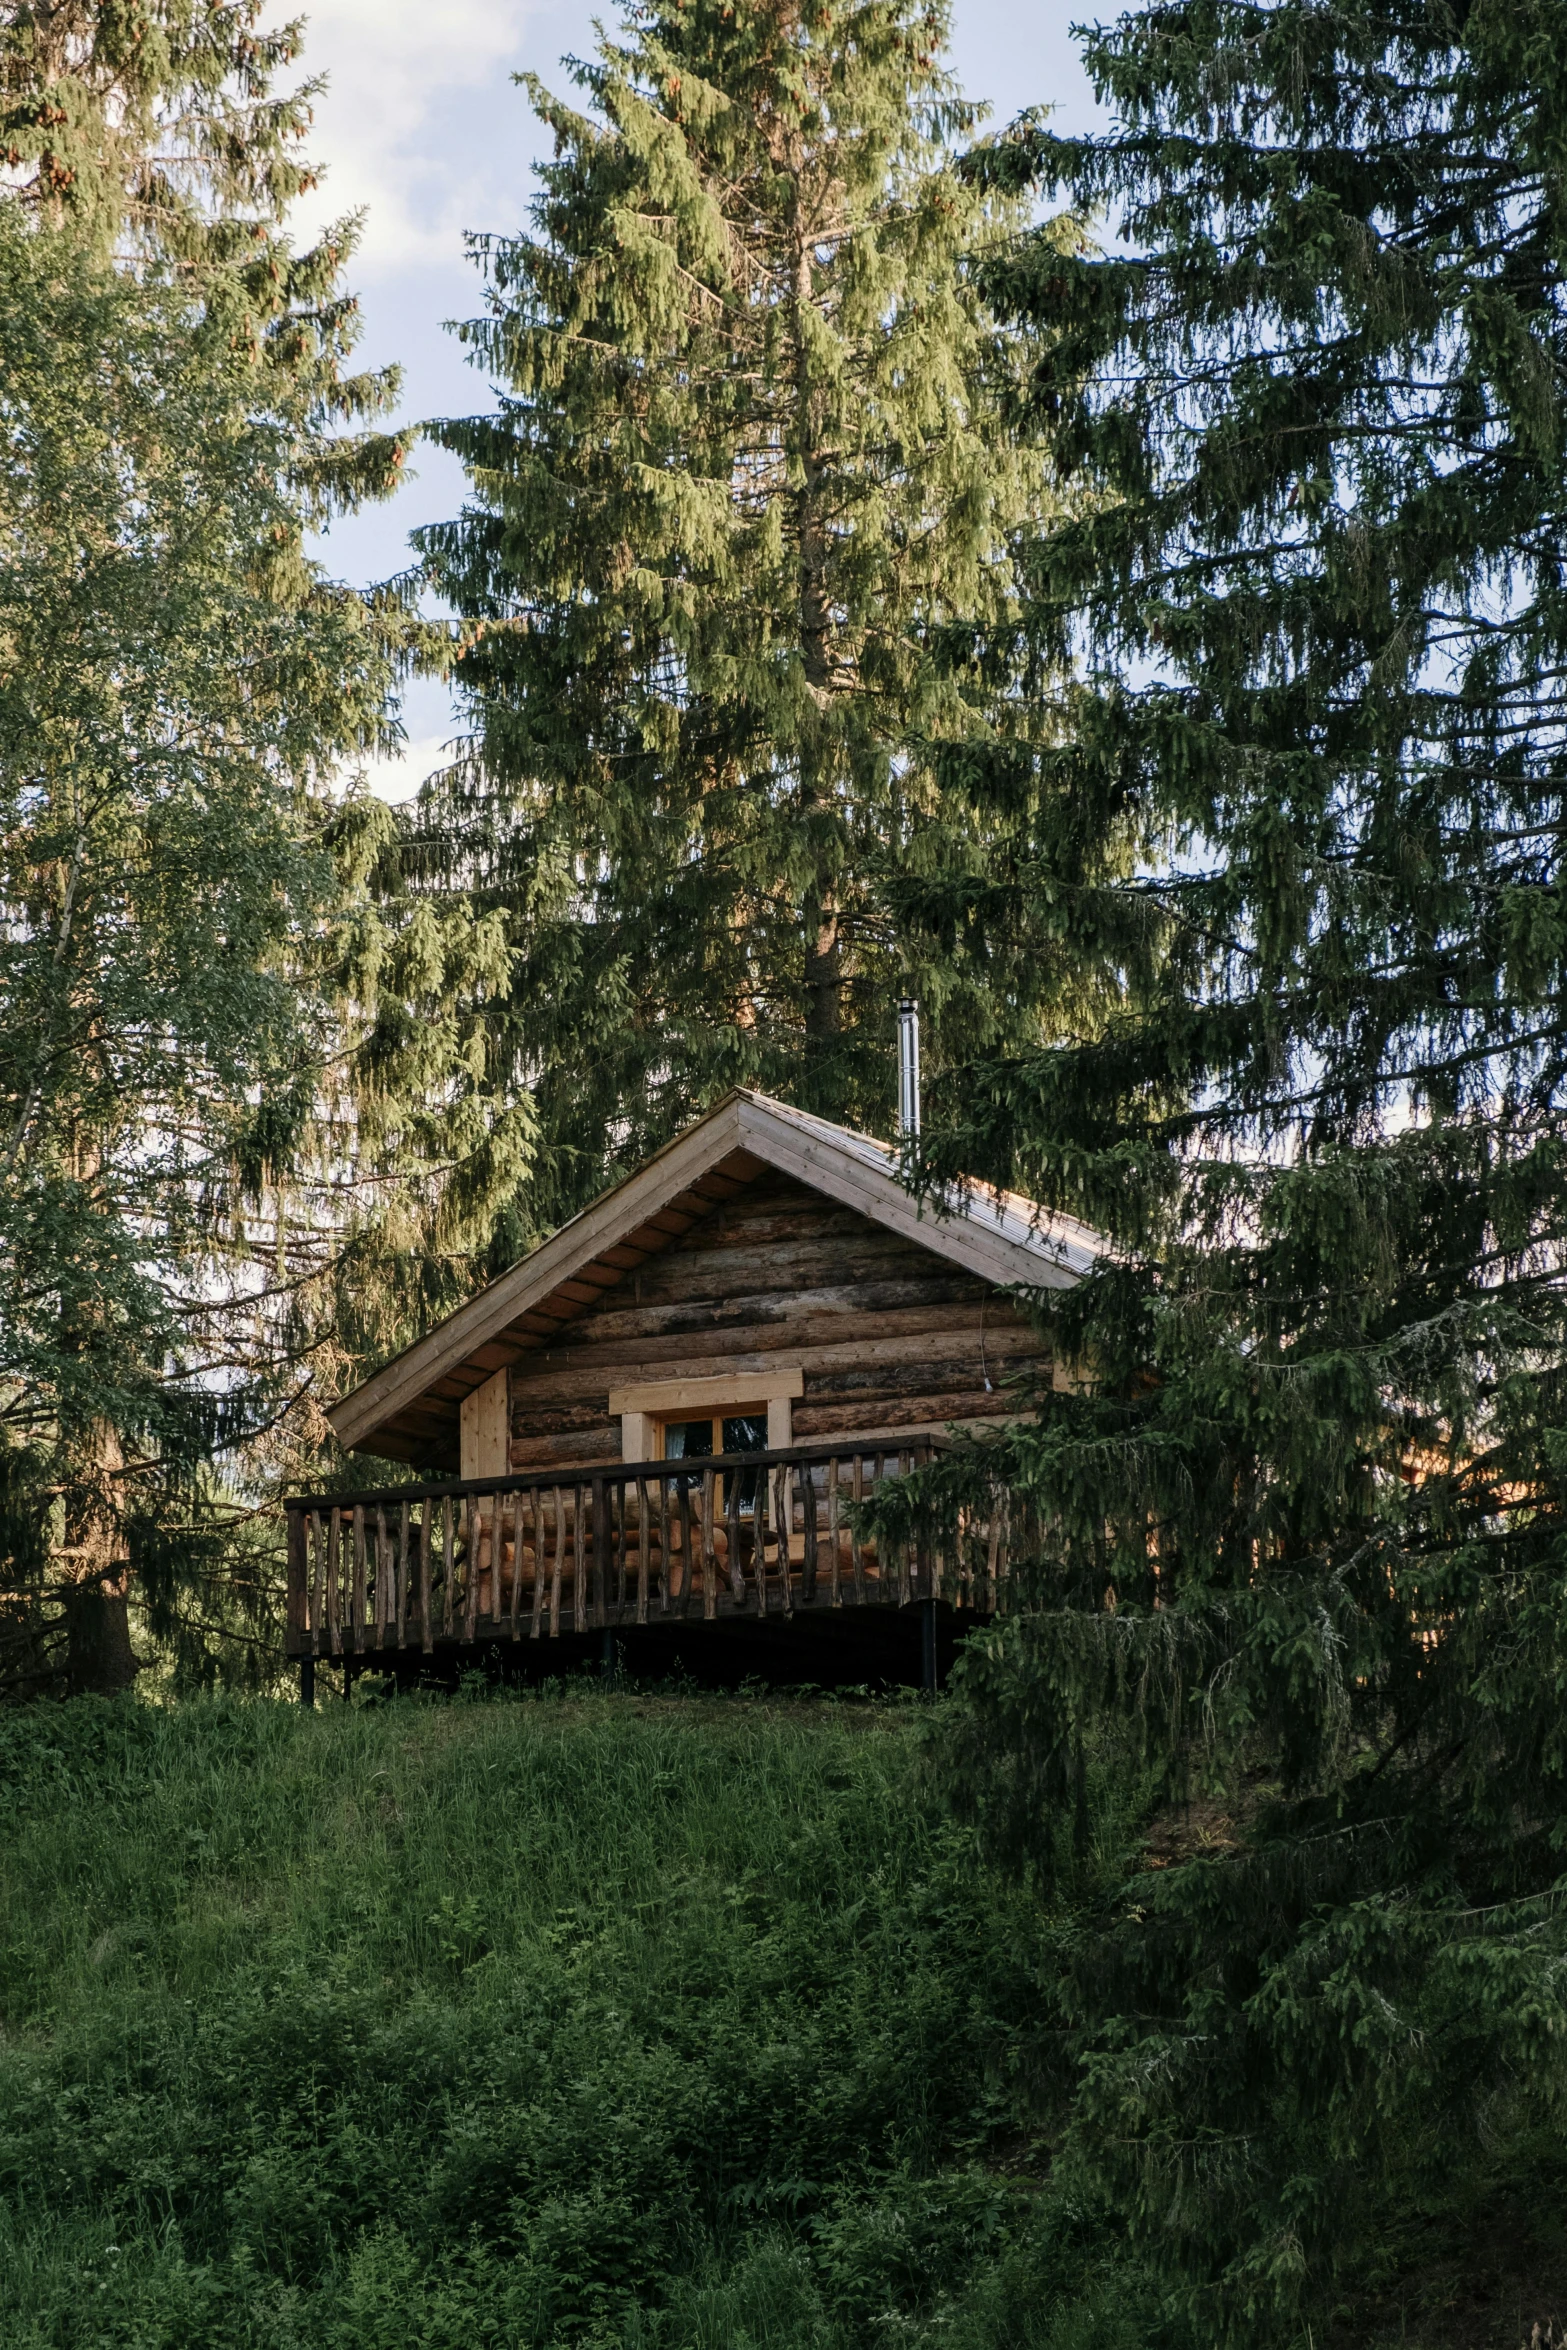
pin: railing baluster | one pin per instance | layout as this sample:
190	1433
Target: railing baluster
687	1554
533	1509
783	1534
357	1598
886	1573
761	1510
618	1507
709	1546
330	1549
665	1568
833	1514
644	1530
378	1584
317	1582
600	1555
497	1558
808	1563
297	1537
474	1547
560	1561
736	1563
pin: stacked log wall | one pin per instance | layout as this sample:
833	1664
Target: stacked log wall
887	1334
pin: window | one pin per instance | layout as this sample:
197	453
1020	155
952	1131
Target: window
699	1440
748	1411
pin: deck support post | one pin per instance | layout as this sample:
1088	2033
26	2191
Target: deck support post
930	1676
607	1656
307	1680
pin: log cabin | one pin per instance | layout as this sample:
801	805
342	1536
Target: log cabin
654	1429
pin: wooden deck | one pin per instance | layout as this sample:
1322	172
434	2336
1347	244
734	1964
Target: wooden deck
427	1569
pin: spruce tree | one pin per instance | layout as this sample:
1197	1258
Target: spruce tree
157	134
1300	1509
735	583
177	682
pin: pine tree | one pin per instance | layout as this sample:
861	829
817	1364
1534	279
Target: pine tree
735	585
1302	1508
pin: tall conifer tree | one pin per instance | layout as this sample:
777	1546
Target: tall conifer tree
177	681
735	583
1304	1509
157	134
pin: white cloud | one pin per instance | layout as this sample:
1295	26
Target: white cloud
397	779
420	123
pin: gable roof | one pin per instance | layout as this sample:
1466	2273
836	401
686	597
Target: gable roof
414	1401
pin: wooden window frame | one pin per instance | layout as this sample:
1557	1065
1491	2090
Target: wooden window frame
643	1409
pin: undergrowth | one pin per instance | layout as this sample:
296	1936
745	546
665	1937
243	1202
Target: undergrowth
671	2024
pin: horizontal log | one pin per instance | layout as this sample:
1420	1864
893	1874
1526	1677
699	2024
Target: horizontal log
574	1448
728	1257
632	1325
813	1424
843	1343
927	1375
776	1224
861	1243
536	1412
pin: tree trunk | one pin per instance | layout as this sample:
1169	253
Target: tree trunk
99	1657
823	973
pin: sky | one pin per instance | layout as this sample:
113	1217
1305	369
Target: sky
422	128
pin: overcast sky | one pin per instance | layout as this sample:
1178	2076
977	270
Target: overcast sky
422	127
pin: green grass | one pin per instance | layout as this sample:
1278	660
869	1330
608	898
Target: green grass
580	2020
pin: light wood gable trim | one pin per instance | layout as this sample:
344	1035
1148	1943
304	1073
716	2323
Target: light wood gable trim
714	1159
484	1422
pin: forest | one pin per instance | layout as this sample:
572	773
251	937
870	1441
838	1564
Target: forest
1103	587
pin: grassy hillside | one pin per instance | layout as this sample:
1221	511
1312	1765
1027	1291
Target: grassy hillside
578	2021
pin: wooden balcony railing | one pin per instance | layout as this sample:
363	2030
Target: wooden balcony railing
536	1557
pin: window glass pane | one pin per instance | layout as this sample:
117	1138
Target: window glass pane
746	1432
688	1440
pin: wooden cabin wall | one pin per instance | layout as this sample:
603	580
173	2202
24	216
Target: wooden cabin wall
887	1334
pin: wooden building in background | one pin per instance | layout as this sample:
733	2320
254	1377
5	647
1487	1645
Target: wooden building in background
763	1302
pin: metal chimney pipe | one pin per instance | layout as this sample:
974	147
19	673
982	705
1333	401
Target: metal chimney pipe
908	1067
